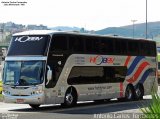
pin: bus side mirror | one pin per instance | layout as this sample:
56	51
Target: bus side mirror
3	58
49	75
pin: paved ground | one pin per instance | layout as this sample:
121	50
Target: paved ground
89	110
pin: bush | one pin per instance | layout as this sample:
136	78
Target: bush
153	110
1	87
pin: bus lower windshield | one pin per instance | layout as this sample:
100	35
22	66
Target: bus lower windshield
23	73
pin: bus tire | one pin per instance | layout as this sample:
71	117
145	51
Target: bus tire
99	101
70	97
129	93
121	99
34	106
139	92
107	100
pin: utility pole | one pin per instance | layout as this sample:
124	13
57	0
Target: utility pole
146	21
133	26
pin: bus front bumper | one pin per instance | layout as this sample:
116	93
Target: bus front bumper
33	99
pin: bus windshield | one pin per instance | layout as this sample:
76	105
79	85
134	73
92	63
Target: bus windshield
23	73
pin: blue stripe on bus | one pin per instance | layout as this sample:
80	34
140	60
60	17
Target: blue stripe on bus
145	75
134	64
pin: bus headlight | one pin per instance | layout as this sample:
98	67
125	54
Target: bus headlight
6	92
38	92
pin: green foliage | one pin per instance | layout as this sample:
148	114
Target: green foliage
8	38
1	90
1	97
0	83
1	87
153	110
158	57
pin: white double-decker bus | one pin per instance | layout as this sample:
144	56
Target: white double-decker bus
48	67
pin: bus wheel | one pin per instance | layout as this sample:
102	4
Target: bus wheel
129	94
70	97
34	106
139	92
99	101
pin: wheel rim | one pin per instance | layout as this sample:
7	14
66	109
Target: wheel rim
129	94
138	92
69	98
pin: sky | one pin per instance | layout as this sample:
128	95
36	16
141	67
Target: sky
89	14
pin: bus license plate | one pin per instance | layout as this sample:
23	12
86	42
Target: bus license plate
20	100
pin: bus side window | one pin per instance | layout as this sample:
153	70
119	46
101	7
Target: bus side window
120	47
59	43
109	74
92	45
76	44
153	50
107	46
114	74
133	48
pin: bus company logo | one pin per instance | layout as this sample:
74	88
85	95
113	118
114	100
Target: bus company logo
98	60
28	38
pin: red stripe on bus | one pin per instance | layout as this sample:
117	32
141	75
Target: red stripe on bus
138	72
121	90
127	61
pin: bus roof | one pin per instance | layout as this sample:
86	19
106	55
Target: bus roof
35	32
51	32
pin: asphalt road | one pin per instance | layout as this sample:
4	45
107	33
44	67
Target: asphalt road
84	110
